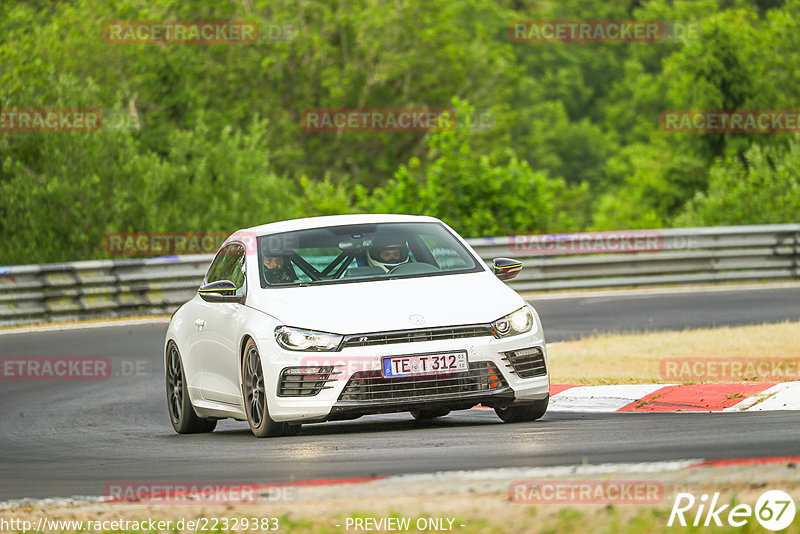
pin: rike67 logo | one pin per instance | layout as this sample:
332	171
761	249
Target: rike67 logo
774	510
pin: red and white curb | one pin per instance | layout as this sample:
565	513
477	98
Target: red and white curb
676	398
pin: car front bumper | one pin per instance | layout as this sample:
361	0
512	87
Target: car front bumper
329	403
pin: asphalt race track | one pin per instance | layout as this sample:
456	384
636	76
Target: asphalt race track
566	318
63	438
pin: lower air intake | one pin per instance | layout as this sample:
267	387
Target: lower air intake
370	386
304	381
526	363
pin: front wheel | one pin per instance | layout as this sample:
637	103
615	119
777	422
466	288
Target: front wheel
255	395
181	412
523	412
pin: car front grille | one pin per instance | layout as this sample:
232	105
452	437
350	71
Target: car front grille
371	386
526	363
304	381
416	335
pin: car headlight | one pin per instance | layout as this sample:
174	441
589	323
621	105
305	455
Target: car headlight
309	340
519	322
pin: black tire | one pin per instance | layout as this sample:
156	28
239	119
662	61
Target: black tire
255	396
181	413
424	414
523	413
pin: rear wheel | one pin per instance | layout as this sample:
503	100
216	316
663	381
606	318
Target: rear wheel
255	395
424	414
523	412
181	412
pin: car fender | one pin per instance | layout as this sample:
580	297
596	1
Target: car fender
259	326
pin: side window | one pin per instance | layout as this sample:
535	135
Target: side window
445	255
212	274
228	265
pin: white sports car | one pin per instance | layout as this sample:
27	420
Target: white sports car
332	318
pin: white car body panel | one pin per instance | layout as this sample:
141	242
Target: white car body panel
377	306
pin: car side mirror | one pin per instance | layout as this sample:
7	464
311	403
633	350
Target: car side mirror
220	291
505	268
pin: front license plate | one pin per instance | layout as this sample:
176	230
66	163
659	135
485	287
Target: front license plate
425	364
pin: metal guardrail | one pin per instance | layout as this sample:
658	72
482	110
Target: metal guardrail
681	256
113	288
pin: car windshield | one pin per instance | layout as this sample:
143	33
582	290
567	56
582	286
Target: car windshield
362	252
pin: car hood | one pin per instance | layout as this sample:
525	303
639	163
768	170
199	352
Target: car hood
360	307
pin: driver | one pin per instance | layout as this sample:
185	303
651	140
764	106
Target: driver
278	269
387	252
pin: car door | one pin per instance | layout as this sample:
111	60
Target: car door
218	324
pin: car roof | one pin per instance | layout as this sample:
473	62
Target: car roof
330	220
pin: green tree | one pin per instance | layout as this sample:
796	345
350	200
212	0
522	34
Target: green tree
762	189
476	194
